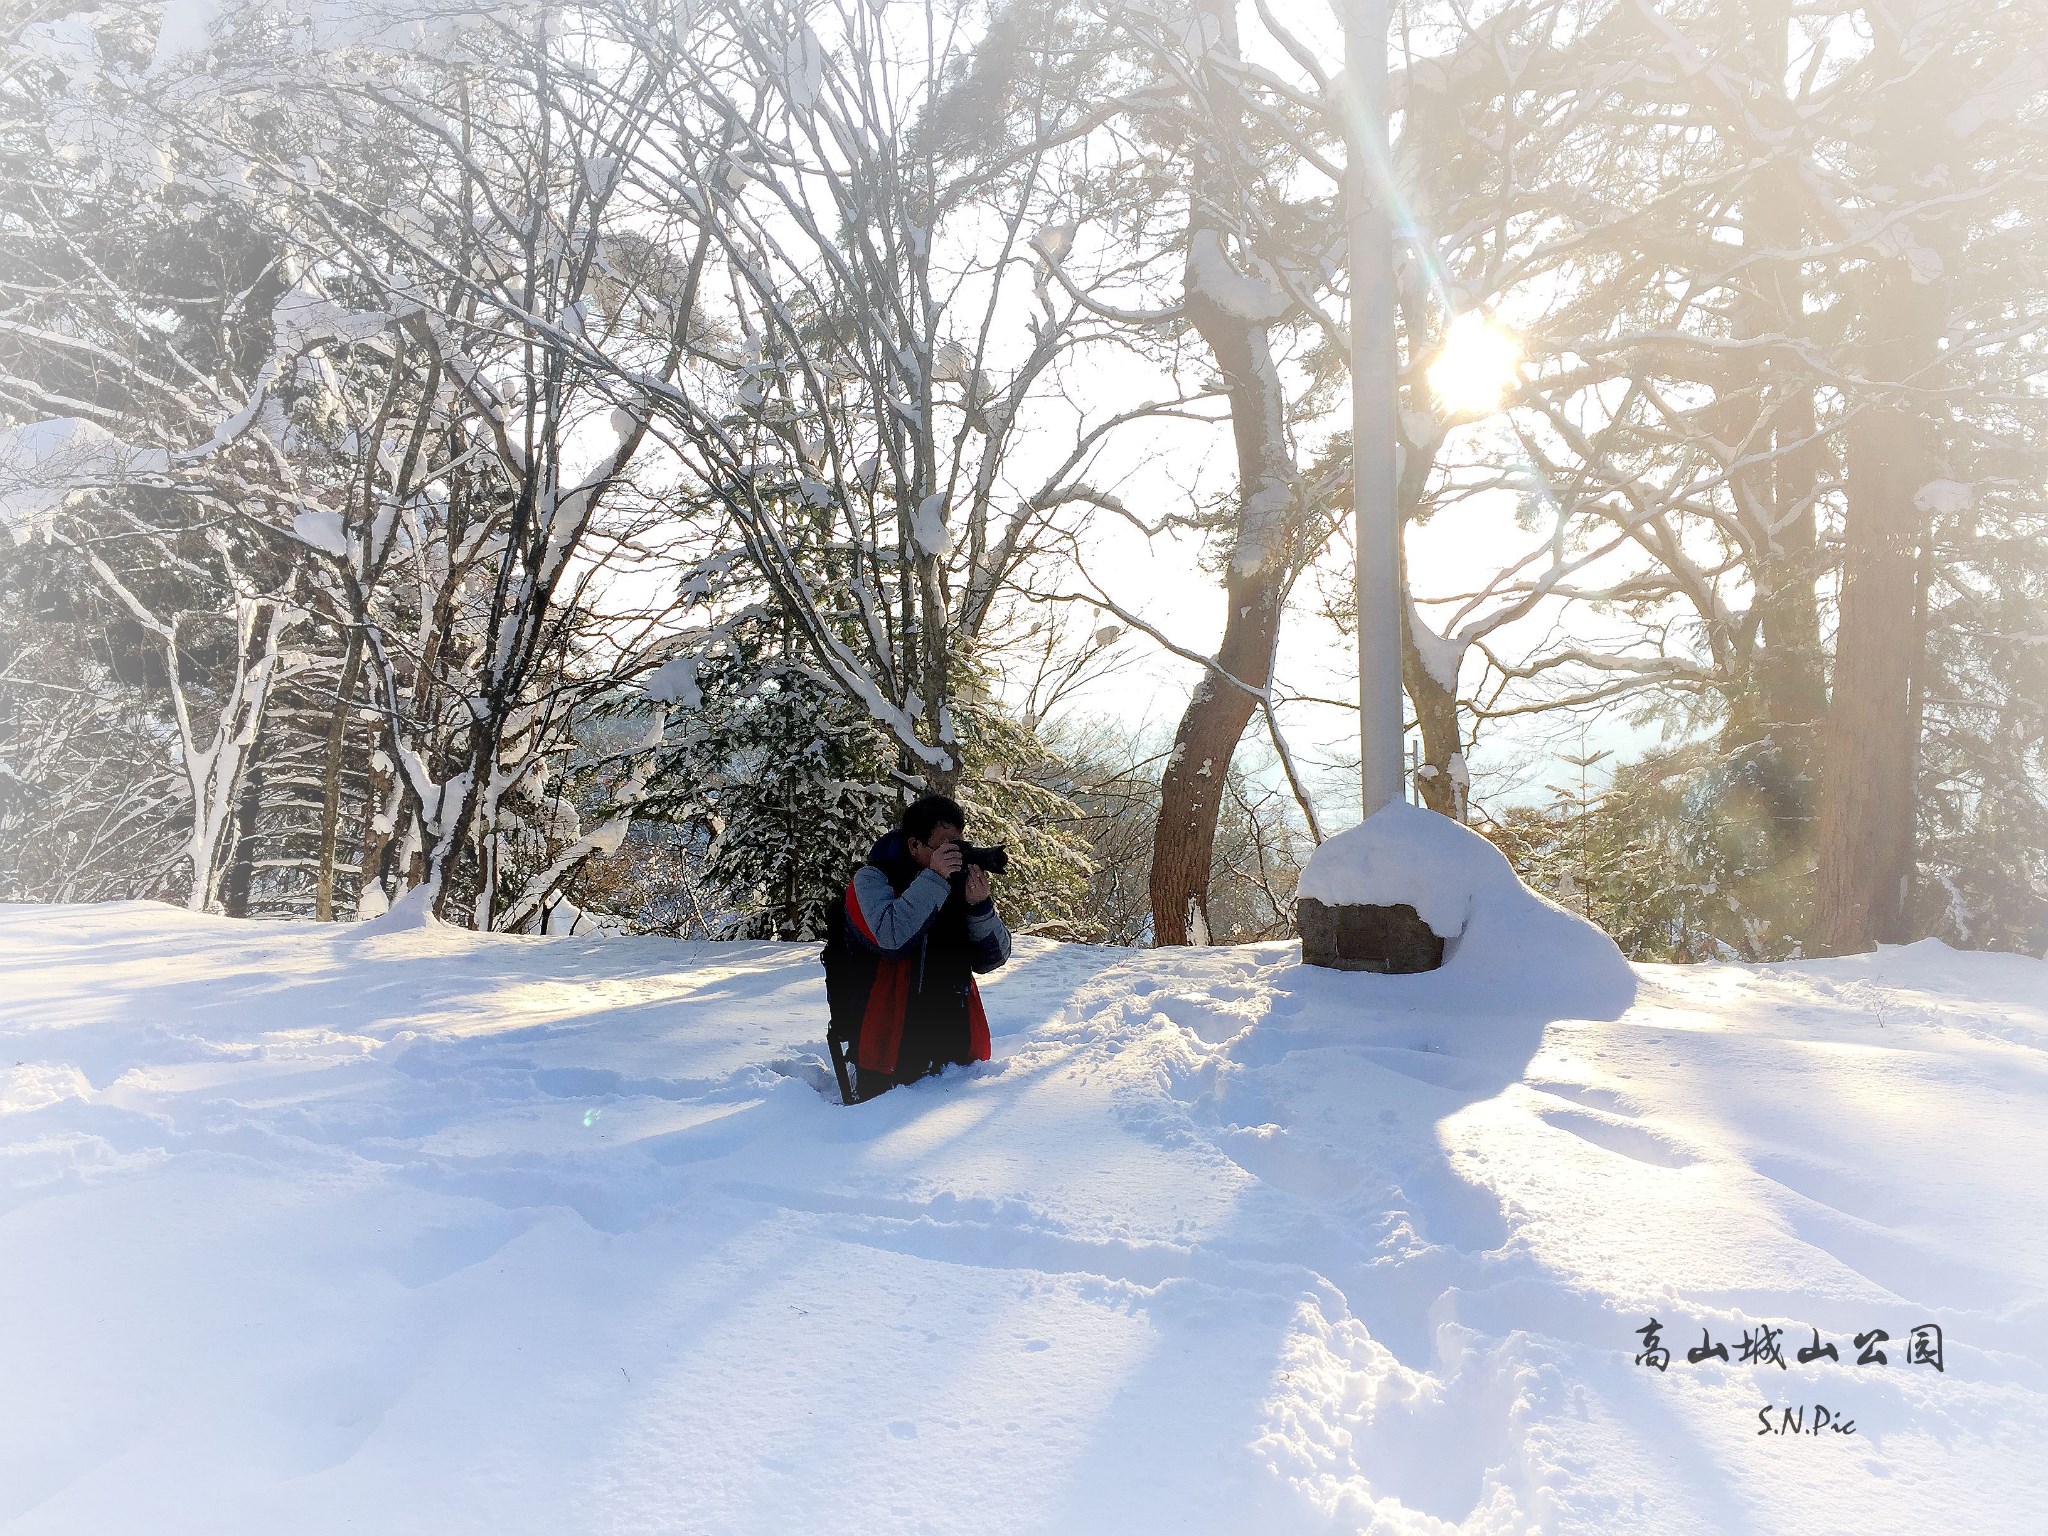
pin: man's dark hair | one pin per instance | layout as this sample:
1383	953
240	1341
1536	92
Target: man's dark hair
923	817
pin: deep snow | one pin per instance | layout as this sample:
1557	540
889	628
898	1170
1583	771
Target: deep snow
315	1229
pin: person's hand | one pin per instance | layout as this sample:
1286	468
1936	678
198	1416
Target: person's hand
977	886
946	860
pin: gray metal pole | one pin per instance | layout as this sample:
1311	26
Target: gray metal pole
1374	420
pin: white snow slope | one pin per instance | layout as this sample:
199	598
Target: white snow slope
308	1229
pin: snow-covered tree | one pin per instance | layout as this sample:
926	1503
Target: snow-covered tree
131	355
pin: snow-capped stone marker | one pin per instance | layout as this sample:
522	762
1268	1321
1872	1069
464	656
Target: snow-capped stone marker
1504	949
1388	894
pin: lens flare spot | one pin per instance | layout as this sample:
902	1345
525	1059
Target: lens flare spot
1476	368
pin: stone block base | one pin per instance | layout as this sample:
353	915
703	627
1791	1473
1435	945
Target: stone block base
1391	939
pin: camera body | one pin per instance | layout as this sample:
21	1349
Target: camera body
995	860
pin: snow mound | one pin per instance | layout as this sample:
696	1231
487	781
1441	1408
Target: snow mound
1504	943
410	913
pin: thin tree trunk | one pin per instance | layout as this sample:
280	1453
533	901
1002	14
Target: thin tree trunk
218	792
1789	676
241	870
385	803
330	788
936	689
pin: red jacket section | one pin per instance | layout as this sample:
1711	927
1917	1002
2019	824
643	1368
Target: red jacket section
888	1004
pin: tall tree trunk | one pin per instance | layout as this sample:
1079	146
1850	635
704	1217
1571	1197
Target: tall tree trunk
1256	580
1782	693
1775	689
1870	750
1765	789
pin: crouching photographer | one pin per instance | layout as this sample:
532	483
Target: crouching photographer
918	920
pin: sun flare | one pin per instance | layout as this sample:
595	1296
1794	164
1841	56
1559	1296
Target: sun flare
1476	368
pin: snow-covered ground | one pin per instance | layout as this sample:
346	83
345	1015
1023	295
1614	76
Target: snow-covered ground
313	1229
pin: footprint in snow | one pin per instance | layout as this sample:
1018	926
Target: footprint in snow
1620	1136
1592	1098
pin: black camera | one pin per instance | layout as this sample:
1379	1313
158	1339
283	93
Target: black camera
995	860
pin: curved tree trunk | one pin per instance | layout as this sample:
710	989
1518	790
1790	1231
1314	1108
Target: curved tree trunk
1429	669
1191	789
1441	780
1268	520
